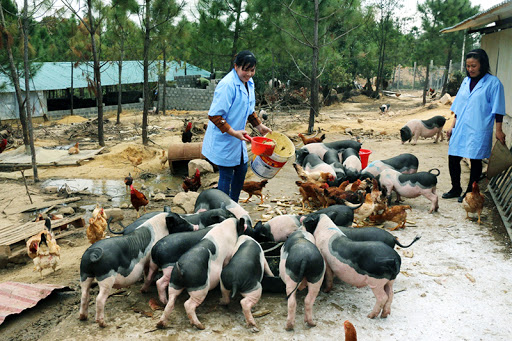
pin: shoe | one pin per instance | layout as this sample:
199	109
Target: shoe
452	194
461	198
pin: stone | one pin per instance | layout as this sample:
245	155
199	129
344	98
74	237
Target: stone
186	201
159	197
203	166
446	99
50	189
66	210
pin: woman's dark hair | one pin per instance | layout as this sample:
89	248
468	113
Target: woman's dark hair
245	59
483	58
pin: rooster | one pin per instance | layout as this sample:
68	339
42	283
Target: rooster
395	214
192	183
317	177
254	188
313	139
74	149
97	225
163	159
473	202
187	134
3	145
43	249
137	198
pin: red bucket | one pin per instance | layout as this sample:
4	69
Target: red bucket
364	154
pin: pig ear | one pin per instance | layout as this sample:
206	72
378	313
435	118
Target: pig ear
241	226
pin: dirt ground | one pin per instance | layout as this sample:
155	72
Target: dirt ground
453	283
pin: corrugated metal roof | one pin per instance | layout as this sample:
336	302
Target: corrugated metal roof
496	13
55	76
16	297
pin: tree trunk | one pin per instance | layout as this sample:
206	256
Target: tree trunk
120	84
236	35
27	90
72	90
314	107
425	87
16	82
97	75
164	85
147	92
447	69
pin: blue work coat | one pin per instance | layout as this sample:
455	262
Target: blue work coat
475	110
234	103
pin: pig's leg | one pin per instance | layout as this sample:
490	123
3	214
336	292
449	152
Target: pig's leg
196	298
415	138
84	301
105	287
169	307
224	300
434	199
388	287
162	284
309	301
328	278
153	268
381	299
292	302
250	299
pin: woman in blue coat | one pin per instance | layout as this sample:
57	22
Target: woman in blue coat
479	102
232	106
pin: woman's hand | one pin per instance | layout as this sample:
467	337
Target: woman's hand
449	133
500	135
263	129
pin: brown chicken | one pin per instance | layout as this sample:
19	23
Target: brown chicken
363	212
395	214
137	198
97	226
74	149
344	185
163	159
192	183
350	331
254	188
381	204
473	202
317	177
311	194
335	195
43	249
135	161
313	139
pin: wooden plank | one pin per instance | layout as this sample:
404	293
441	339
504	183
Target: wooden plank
34	207
5	250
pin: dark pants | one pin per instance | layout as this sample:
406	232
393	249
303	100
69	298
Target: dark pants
231	179
454	167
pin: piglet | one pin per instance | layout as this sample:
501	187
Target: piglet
243	274
404	163
301	265
198	270
411	185
276	229
213	198
423	128
357	263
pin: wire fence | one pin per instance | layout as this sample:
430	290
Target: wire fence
413	77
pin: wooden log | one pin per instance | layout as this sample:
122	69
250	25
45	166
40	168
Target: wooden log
39	205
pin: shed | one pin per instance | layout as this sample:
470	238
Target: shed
57	76
495	25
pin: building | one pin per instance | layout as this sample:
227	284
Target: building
54	80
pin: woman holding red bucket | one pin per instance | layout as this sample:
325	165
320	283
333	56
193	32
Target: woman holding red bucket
232	106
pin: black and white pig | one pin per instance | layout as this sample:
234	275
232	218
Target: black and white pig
198	270
313	163
196	221
423	128
301	264
276	229
404	163
243	274
411	185
166	252
342	215
360	264
118	262
351	163
214	198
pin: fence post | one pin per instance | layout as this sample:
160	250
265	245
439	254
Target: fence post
414	77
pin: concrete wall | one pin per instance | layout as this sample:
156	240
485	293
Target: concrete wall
189	98
93	112
498	47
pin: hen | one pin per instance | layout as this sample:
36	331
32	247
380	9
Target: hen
135	161
350	331
192	183
254	188
473	202
43	249
3	145
187	134
313	139
97	225
363	212
137	198
395	214
312	194
74	149
317	177
163	159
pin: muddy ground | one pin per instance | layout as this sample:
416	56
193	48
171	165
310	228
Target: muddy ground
453	284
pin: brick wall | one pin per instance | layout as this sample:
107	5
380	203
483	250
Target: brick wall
93	112
189	98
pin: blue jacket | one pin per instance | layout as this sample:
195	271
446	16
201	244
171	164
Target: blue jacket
475	110
234	103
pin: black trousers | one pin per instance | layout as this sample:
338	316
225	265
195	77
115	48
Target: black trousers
454	167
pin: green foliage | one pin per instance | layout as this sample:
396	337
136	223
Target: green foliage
454	83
